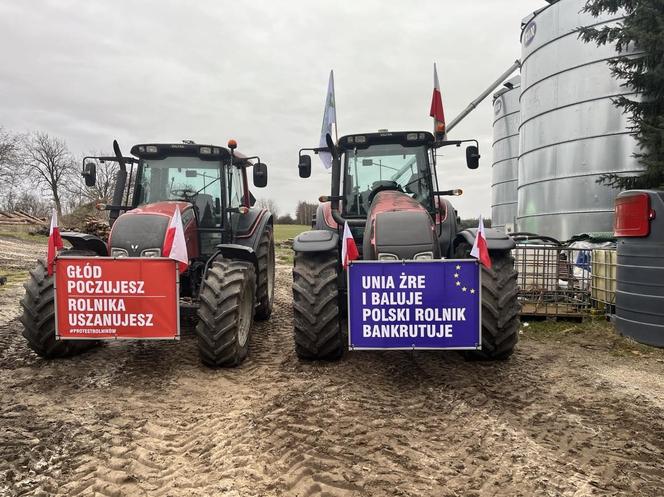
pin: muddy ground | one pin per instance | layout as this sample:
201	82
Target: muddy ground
576	412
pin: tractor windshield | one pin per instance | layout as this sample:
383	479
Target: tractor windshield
181	178
385	166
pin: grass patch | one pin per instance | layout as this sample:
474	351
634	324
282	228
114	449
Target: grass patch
284	256
286	231
283	232
25	236
597	333
14	277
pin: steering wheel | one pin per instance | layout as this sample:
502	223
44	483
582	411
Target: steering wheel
184	193
381	186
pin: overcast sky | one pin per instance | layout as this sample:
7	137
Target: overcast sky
162	71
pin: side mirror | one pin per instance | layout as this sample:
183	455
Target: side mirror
472	157
260	175
304	167
90	174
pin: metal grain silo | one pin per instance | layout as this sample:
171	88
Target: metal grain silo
505	154
571	133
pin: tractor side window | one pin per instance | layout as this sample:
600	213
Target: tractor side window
235	186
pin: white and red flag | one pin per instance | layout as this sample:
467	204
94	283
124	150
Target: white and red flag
480	248
54	242
436	110
175	246
348	248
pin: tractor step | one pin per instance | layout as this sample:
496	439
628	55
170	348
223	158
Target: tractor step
189	303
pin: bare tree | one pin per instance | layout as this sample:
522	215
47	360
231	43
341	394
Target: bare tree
32	204
270	205
10	169
50	163
285	219
304	212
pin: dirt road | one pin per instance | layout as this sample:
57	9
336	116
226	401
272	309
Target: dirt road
576	412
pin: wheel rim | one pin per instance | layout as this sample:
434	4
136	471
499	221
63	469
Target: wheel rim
244	319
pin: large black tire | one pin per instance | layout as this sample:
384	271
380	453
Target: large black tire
316	313
39	314
225	315
266	272
500	307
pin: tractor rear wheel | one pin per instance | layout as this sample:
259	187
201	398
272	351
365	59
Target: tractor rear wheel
265	255
500	307
39	314
316	313
225	315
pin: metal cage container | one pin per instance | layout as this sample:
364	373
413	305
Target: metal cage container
552	282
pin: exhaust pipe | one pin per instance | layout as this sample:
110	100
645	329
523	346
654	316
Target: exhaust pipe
120	184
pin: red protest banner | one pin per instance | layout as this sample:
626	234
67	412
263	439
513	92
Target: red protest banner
100	297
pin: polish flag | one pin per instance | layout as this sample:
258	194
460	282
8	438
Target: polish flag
480	248
54	243
175	245
348	249
436	110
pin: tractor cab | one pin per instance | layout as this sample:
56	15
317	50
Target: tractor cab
389	179
386	162
207	183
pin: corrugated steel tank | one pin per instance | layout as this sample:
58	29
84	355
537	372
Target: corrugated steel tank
505	154
570	131
640	279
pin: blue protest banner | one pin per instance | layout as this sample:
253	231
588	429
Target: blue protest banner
414	305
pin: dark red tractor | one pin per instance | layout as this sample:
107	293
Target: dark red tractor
385	186
230	245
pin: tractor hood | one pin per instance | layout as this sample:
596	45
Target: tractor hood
143	228
399	227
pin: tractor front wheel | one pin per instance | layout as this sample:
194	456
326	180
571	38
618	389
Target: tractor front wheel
500	307
316	306
227	301
39	314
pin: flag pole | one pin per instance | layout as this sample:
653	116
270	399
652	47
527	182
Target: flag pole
336	133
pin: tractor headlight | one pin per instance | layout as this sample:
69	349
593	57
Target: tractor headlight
386	256
119	252
153	252
423	256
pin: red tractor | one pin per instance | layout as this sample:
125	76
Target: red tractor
230	245
385	187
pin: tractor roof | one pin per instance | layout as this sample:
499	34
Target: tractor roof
204	152
405	138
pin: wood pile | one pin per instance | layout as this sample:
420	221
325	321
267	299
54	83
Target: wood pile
19	218
96	227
